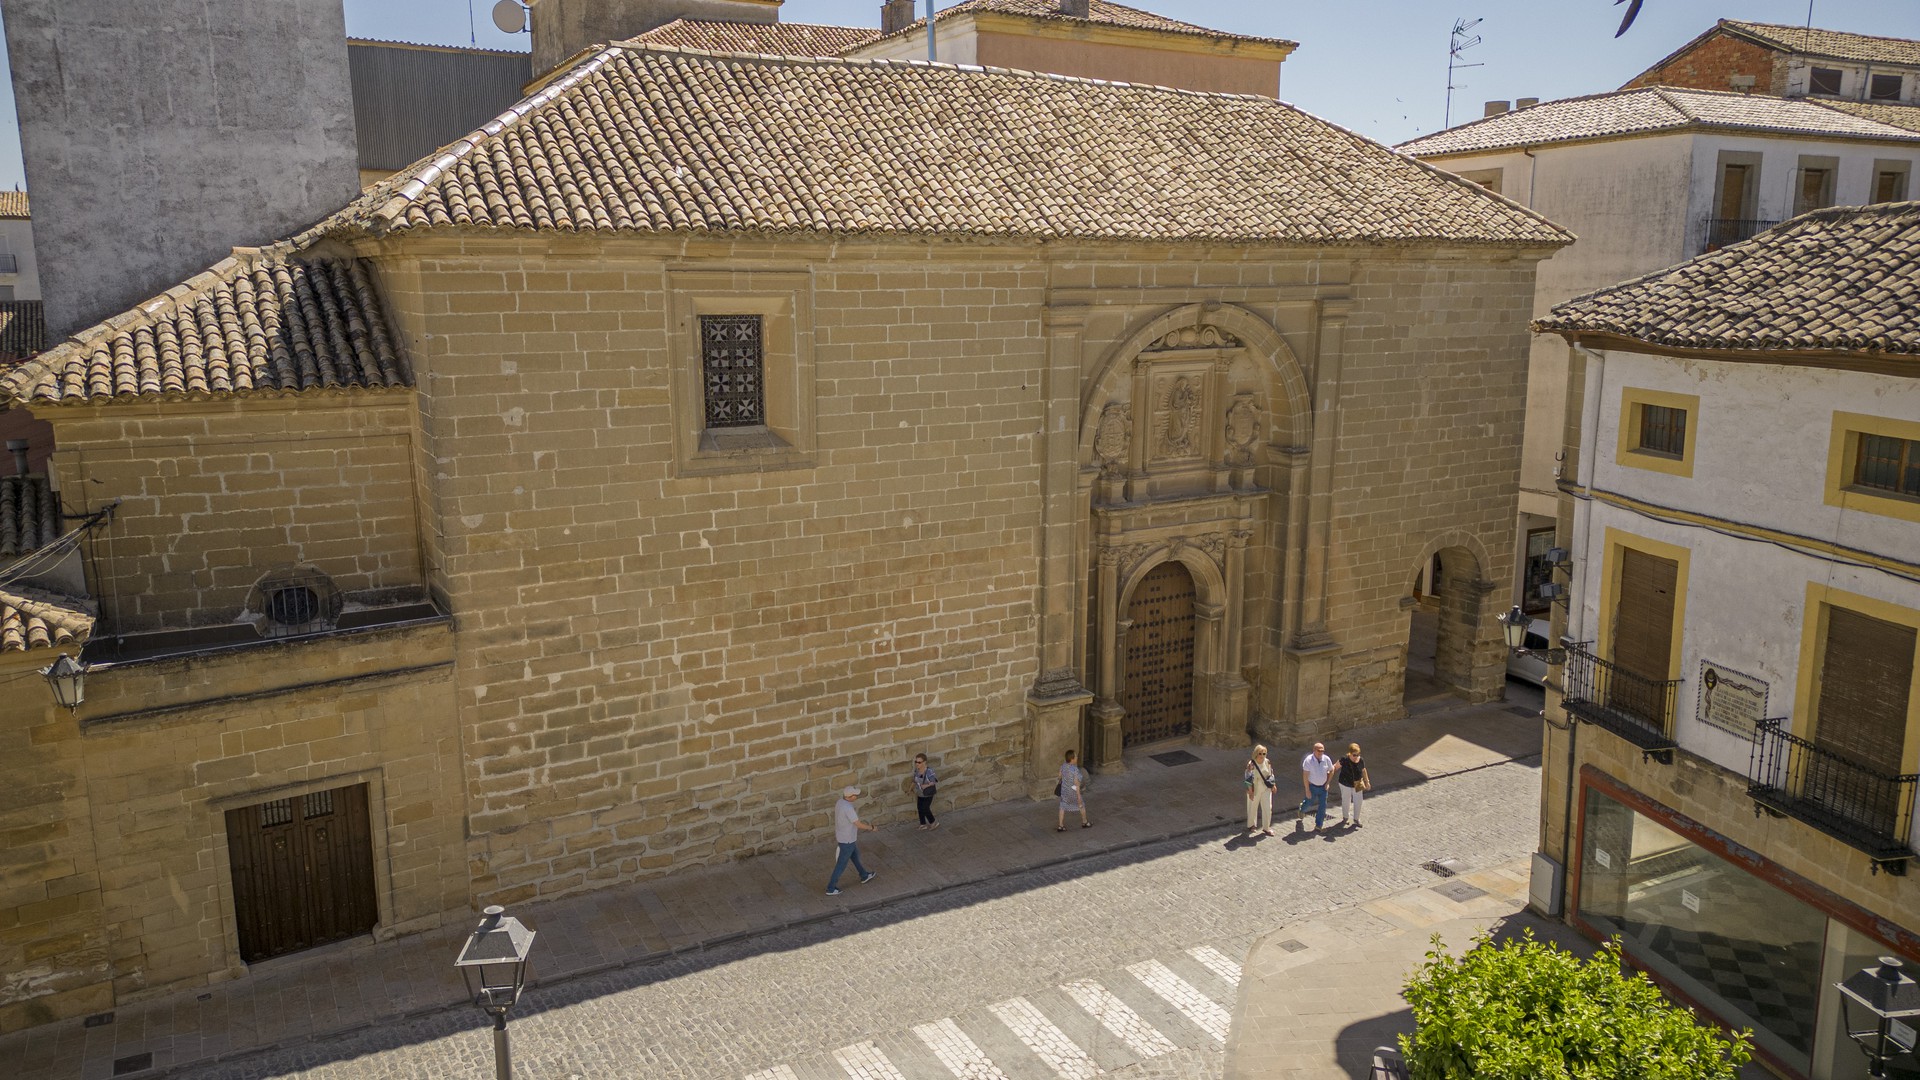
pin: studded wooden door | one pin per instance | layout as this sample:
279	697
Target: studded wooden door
302	871
1159	693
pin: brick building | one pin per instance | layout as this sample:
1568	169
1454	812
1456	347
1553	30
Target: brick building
711	431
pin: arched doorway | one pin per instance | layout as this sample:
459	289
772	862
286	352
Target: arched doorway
1160	650
1454	648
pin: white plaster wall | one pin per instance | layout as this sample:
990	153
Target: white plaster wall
1760	459
16	238
954	39
1779	168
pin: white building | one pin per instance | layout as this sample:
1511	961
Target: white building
1732	777
19	272
1647	178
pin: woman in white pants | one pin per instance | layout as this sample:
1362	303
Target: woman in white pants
1354	784
1259	781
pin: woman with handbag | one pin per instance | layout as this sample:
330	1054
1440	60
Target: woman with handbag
924	785
1354	784
1259	781
1071	797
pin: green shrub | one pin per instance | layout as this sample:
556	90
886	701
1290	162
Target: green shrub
1523	1010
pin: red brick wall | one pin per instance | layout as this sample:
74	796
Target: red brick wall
1710	64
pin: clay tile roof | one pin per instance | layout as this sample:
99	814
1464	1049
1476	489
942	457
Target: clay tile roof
1833	44
29	515
650	139
255	323
23	329
1649	110
31	619
1840	280
1100	12
1900	116
13	204
773	39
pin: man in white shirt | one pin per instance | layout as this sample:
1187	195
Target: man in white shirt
1314	770
847	828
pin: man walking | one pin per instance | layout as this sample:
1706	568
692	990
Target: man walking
847	828
1314	770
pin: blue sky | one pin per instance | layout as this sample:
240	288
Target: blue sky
1376	66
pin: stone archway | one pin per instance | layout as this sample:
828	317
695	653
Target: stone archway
1460	611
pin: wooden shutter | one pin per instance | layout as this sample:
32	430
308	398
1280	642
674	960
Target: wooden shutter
1643	614
1866	675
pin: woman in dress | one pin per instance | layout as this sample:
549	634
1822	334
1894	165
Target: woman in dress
923	789
1071	796
1259	781
1354	784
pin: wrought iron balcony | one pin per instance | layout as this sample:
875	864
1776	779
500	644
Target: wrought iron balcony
1634	707
1724	231
1858	806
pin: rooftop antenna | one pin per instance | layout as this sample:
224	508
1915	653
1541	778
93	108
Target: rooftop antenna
930	53
510	17
1463	39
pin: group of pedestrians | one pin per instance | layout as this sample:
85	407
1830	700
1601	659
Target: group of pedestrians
1317	772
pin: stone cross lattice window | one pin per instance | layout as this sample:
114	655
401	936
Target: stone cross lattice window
732	371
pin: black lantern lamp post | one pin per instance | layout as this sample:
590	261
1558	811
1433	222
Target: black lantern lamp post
1891	996
68	677
494	963
1514	624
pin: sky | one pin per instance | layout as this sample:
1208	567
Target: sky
1378	67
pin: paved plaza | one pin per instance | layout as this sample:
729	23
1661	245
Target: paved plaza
991	947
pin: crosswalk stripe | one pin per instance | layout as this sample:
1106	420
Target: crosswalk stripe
961	1055
1217	962
864	1061
1180	993
1117	1017
1045	1040
778	1072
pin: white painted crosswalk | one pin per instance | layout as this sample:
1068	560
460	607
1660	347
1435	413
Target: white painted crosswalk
1076	1031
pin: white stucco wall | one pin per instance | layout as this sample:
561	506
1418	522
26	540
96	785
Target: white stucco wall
1760	459
16	239
954	39
1779	173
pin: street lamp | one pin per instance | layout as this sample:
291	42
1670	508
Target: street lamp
1892	997
494	964
1514	623
68	679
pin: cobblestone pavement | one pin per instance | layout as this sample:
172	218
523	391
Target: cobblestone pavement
981	973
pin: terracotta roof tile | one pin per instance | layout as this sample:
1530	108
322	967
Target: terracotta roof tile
30	619
1098	12
254	323
1840	280
1900	116
23	329
651	139
29	515
13	204
772	39
1834	44
1646	111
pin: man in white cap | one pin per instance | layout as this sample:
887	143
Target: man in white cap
847	828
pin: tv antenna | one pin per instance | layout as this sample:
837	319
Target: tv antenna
1463	39
510	17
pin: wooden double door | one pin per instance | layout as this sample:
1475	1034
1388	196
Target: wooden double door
302	871
1160	647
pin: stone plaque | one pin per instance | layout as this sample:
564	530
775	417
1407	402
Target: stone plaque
1731	700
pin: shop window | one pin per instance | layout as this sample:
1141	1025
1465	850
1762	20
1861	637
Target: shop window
1824	80
1539	572
1742	949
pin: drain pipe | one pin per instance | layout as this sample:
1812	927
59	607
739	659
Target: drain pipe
1590	407
931	57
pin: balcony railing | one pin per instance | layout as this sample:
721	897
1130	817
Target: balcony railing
1858	806
1634	707
1724	231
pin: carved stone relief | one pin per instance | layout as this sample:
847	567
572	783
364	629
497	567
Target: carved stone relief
1198	337
1179	417
1113	438
1243	430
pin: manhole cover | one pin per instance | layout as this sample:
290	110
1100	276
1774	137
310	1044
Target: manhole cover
1175	757
1293	946
1443	867
135	1063
1459	891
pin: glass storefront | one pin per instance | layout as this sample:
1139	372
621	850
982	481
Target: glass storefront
1736	945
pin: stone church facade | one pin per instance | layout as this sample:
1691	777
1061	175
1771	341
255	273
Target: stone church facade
597	498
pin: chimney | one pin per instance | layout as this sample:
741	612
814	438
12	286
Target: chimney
1525	102
1077	9
1495	108
896	15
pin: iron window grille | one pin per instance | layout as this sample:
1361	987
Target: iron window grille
1722	232
732	366
1663	429
1888	464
